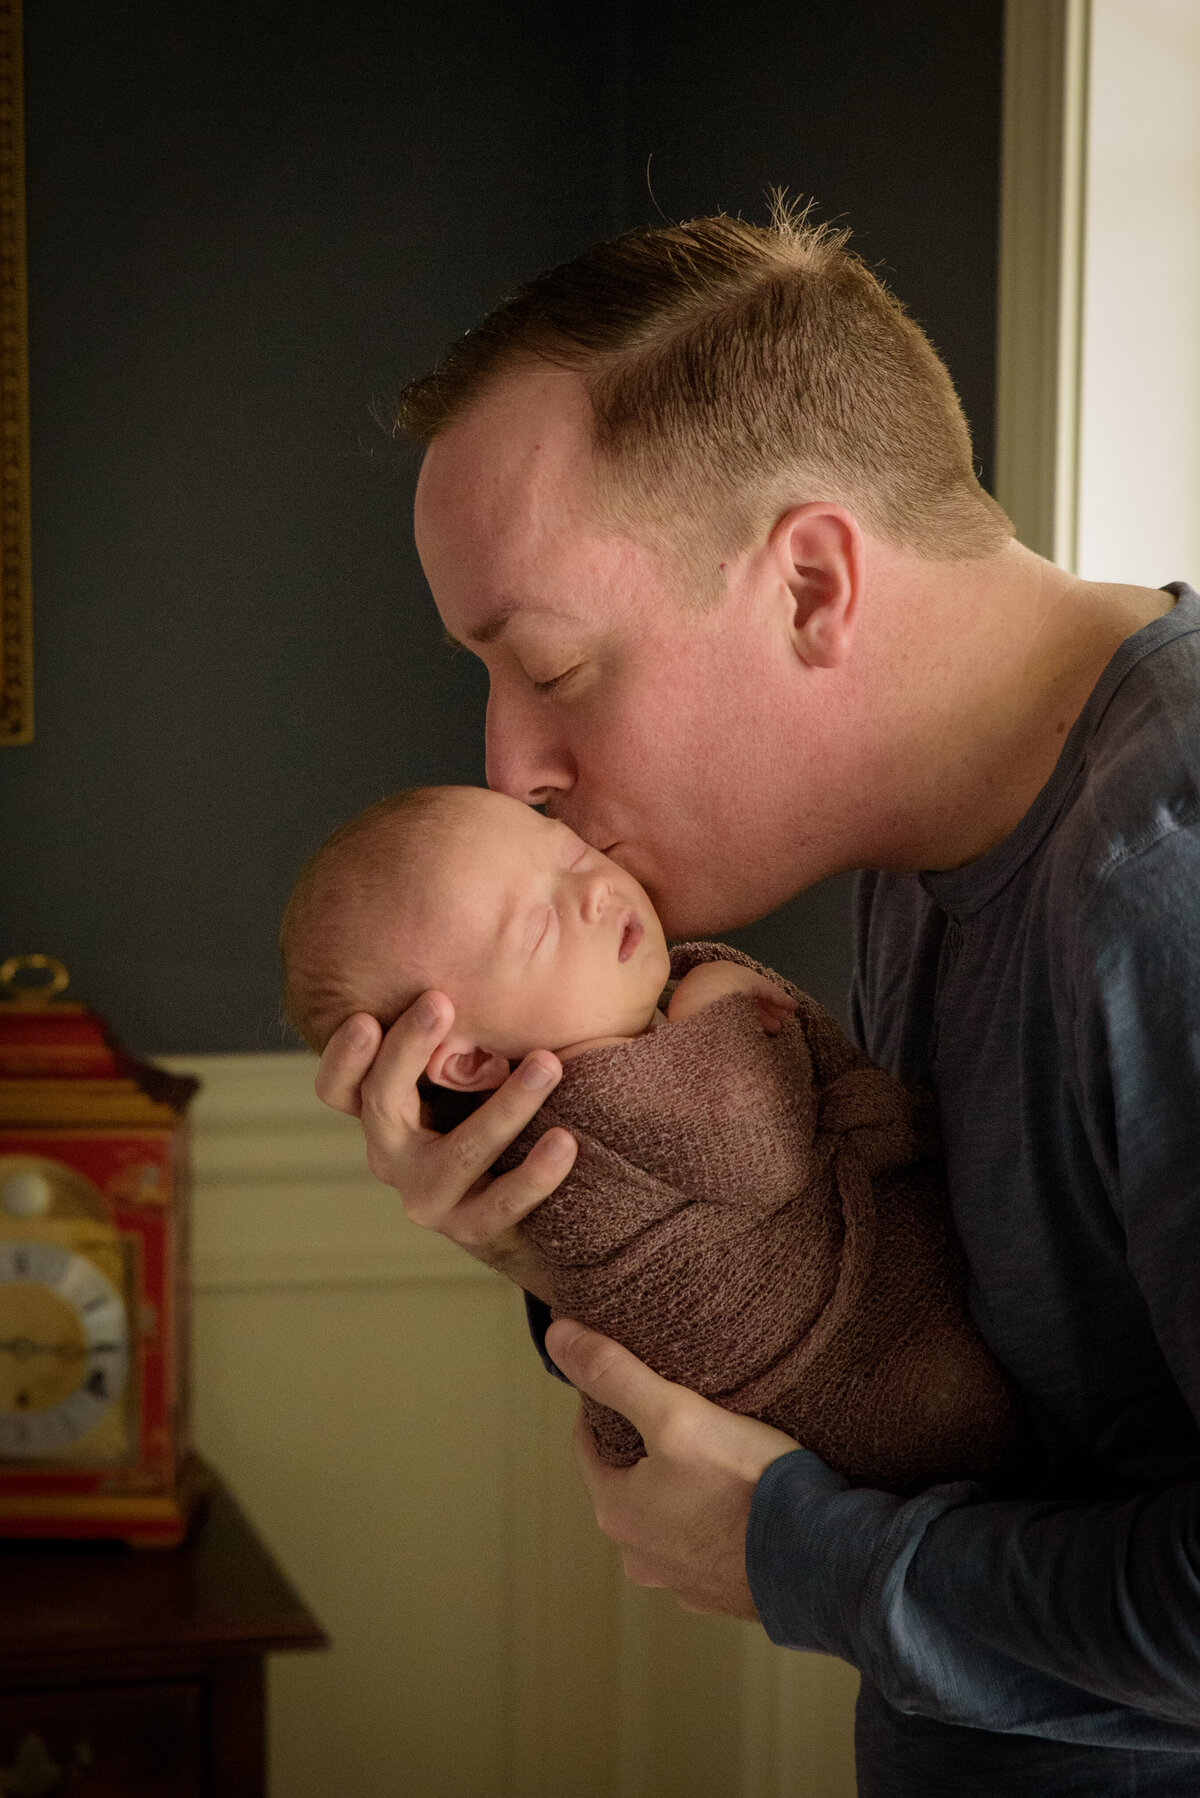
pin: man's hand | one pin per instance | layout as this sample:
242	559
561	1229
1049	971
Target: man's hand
442	1180
679	1516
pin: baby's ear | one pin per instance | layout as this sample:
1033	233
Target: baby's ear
466	1070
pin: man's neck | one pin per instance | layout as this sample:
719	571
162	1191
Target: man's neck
1007	653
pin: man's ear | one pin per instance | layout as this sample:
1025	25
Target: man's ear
466	1069
818	554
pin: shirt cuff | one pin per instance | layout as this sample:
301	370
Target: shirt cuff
540	1317
811	1542
826	1560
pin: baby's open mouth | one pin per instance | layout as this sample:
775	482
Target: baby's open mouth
631	936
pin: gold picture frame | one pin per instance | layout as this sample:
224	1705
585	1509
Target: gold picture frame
16	601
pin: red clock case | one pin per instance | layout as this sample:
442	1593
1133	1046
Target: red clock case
70	1095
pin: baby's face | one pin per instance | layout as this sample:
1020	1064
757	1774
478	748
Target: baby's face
544	941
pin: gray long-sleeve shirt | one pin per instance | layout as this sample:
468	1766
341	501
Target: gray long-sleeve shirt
1050	995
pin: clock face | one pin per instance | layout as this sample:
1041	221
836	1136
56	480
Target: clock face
64	1348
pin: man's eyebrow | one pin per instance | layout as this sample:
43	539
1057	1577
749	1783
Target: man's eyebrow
493	627
487	632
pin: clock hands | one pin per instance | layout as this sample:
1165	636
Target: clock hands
24	1346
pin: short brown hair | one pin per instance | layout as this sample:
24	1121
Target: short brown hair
363	864
733	370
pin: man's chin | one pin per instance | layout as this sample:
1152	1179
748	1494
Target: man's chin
684	919
691	923
712	913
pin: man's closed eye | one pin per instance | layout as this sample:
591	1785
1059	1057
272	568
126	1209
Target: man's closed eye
545	686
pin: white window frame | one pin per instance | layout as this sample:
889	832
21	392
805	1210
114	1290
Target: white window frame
1098	368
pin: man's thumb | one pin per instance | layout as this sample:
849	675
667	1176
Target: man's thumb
580	1352
607	1372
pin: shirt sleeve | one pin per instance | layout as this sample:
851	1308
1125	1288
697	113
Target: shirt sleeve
1137	1060
1078	1621
540	1317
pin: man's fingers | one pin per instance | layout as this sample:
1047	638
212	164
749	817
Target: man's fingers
389	1089
442	1179
609	1373
472	1146
348	1054
510	1197
674	1422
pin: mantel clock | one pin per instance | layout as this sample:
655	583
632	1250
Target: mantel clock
94	1399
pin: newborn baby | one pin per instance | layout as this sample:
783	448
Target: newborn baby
754	1210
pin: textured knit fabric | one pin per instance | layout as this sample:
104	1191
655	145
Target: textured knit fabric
763	1218
1050	994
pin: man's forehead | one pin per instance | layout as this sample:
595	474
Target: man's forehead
525	445
506	521
504	550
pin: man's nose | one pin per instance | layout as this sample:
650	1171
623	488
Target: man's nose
522	760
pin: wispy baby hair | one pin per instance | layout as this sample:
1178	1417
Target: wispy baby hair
359	874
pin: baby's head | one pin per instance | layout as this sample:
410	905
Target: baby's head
539	940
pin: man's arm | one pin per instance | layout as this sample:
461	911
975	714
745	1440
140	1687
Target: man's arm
1076	1622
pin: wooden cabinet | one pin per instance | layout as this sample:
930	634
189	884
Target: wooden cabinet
138	1673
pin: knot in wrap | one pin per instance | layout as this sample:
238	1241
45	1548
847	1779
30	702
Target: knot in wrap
867	1111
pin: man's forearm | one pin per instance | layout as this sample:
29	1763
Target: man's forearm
1076	1622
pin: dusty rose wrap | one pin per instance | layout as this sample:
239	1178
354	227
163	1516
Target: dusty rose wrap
764	1219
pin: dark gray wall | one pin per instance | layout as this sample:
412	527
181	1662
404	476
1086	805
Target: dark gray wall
249	224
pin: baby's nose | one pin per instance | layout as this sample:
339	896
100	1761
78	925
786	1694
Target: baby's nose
595	893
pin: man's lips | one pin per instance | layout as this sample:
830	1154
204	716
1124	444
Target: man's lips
631	935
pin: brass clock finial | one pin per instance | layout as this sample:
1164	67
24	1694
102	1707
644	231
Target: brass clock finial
27	992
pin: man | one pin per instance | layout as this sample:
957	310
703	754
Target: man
703	502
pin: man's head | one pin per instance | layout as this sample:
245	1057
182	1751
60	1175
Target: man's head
661	484
538	939
732	369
